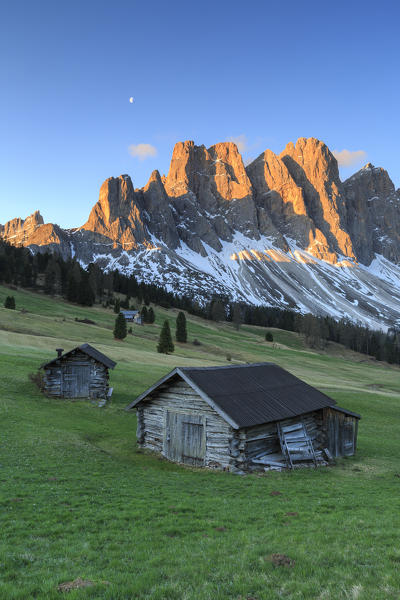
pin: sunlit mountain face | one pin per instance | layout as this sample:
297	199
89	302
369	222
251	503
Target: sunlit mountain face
284	231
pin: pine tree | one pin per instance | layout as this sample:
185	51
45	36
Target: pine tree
144	314
236	316
217	311
151	317
86	295
165	344
52	277
72	288
181	333
120	327
10	302
117	306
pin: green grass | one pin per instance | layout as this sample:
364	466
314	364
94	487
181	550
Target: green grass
77	498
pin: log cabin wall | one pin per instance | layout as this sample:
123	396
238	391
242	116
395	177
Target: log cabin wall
341	430
177	397
264	438
76	376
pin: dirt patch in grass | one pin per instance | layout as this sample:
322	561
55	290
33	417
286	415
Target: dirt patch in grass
275	493
281	560
67	586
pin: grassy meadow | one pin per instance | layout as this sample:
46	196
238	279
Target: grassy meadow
78	499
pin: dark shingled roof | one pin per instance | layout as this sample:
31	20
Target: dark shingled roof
247	395
90	351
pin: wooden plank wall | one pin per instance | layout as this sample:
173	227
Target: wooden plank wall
341	432
264	438
177	395
98	383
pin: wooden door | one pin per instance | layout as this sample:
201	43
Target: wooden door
185	438
76	380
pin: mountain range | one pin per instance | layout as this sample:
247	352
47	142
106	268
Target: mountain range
282	231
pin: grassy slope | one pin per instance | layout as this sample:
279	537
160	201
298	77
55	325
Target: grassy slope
78	499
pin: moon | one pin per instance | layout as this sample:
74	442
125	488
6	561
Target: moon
131	99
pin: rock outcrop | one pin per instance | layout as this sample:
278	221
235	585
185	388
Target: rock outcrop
117	216
373	214
19	231
315	170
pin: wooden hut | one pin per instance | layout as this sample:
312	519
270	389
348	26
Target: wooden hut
129	315
80	373
242	418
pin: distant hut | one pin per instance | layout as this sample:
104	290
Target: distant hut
132	316
242	418
129	315
80	373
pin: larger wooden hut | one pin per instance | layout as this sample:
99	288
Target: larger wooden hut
80	373
242	418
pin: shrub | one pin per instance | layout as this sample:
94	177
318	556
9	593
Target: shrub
269	337
9	302
196	342
228	357
38	379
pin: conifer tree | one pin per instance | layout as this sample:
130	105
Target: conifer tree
236	316
151	317
144	314
181	333
86	296
117	306
120	327
72	288
165	344
9	302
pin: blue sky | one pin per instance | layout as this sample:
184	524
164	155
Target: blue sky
263	72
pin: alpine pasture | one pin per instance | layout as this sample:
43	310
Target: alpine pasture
79	500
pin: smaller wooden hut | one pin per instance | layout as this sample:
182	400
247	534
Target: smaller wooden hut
242	418
80	373
129	315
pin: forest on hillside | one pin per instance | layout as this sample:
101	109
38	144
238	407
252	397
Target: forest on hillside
51	275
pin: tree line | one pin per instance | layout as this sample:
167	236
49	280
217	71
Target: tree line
53	275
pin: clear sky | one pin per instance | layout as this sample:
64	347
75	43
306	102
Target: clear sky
262	72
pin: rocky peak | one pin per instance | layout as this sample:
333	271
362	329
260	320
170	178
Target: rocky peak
18	230
211	194
315	169
160	220
187	163
116	215
373	218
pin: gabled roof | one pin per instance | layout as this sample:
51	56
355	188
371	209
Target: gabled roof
90	351
247	395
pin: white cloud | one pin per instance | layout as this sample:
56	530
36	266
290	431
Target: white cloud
240	141
142	151
347	158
